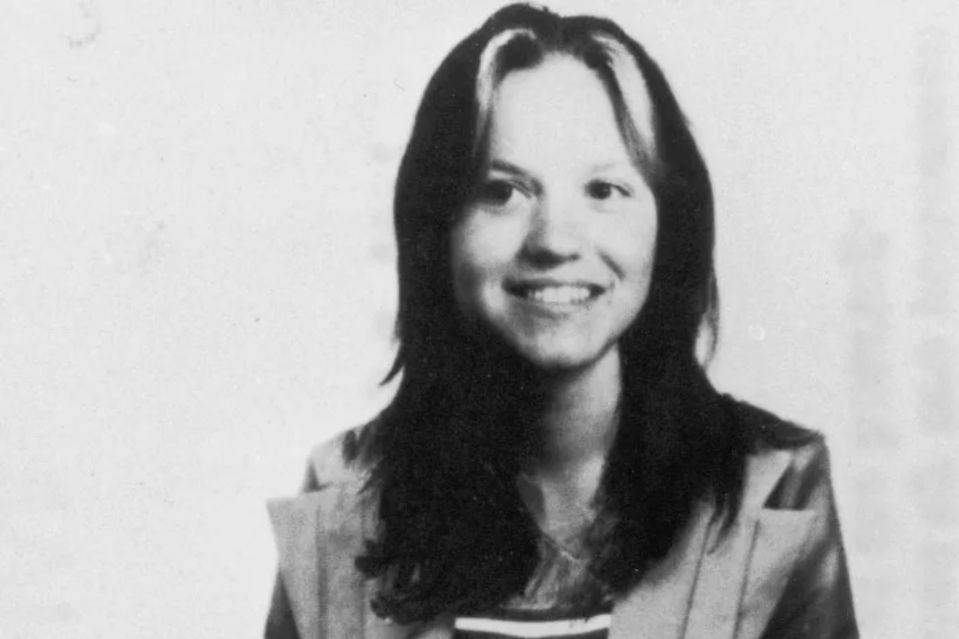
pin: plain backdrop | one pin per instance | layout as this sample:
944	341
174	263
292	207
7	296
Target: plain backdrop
197	283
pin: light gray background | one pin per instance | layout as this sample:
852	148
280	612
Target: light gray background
196	278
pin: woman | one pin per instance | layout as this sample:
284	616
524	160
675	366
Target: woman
555	461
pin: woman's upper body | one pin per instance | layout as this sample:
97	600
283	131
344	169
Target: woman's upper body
778	570
554	224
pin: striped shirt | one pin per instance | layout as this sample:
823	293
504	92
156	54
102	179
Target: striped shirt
563	600
512	626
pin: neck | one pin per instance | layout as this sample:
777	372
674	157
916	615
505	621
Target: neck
577	420
575	428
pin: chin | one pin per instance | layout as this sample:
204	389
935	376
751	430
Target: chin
558	360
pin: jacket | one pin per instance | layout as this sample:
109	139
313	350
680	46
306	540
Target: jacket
778	571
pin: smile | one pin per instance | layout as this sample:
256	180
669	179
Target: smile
556	294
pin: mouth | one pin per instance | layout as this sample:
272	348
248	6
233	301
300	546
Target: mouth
554	293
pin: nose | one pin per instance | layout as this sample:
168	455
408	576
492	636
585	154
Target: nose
553	236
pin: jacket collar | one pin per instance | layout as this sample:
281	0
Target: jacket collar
695	592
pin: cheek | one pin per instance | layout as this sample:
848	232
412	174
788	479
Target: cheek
481	248
469	263
631	244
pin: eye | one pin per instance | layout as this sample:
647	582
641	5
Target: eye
496	193
603	190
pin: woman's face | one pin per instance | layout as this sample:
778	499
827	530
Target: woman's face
555	249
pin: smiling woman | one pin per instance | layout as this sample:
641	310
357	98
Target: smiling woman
555	249
555	461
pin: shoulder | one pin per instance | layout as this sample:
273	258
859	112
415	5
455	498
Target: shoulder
788	464
341	461
332	509
797	580
318	533
332	494
336	462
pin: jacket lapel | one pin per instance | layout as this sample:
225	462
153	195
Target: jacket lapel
318	535
295	525
657	607
780	536
716	583
715	604
745	568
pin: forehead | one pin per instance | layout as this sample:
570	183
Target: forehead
555	85
558	111
562	92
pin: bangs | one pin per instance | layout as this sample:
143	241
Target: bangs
612	62
632	104
513	49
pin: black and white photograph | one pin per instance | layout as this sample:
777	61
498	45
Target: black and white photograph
410	319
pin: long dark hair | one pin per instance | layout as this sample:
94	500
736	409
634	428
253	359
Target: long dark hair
454	535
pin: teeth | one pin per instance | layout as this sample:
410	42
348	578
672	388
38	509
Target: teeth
558	294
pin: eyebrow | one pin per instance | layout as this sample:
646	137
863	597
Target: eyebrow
505	166
613	164
497	164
